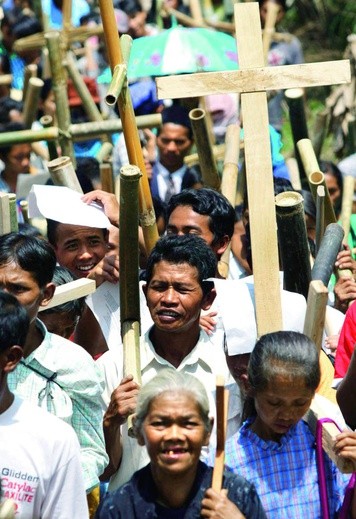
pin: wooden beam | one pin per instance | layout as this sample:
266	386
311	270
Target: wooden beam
72	290
315	313
258	79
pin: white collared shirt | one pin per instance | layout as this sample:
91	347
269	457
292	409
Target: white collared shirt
163	179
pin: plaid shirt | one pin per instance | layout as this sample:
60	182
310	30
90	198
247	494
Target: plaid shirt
60	376
285	474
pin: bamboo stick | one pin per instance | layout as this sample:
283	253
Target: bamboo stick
59	84
131	135
89	105
30	71
319	131
5	80
347	202
47	134
293	242
5	222
63	173
47	121
206	158
24	211
315	176
105	152
320	220
92	129
222	404
32	97
329	248
295	101
129	272
116	84
107	177
13	213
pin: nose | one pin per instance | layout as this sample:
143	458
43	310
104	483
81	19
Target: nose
169	296
84	252
171	146
174	433
287	414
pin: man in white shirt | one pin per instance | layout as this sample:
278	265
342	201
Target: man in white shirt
40	468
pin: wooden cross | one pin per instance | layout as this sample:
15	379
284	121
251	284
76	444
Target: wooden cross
252	81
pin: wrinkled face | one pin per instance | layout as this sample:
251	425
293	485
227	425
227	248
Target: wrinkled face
174	144
60	323
79	248
173	433
281	405
22	285
18	159
174	296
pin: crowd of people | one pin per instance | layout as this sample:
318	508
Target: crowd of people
80	435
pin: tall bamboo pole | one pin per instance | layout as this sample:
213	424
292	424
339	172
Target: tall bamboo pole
30	71
47	121
202	141
131	135
30	107
107	177
298	121
59	83
129	272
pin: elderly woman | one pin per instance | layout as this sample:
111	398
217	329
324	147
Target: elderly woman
172	421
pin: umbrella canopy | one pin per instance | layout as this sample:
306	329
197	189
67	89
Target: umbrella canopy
180	50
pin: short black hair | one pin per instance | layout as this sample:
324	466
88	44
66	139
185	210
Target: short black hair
207	201
34	255
189	249
14	322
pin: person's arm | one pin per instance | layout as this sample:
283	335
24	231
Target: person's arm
108	201
122	404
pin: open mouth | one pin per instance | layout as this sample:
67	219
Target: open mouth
85	268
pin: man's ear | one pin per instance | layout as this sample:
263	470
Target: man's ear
13	356
138	435
47	293
208	299
222	245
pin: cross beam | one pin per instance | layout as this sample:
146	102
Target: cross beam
252	81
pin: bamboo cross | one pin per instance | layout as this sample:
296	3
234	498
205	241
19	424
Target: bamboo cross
252	81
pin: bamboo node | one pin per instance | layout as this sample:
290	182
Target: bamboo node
148	218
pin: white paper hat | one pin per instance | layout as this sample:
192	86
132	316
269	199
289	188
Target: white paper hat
66	206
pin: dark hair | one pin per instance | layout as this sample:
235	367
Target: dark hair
52	226
330	168
208	202
291	354
26	26
12	126
14	322
189	249
30	230
191	178
6	105
61	276
282	3
176	114
34	255
160	208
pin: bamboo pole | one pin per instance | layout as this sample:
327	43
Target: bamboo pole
63	173
59	84
202	141
293	242
329	249
319	131
347	202
24	211
229	182
5	222
112	126
129	272
14	226
315	176
107	177
5	80
320	220
47	134
30	107
47	121
295	101
269	28
105	152
222	404
89	105
30	71
116	85
131	135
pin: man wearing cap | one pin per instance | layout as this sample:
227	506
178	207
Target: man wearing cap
174	141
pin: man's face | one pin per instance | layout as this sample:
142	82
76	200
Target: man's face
18	159
79	248
174	296
174	144
21	284
184	220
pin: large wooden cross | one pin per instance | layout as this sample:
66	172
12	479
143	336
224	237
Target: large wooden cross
252	80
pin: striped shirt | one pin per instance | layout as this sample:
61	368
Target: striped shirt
285	474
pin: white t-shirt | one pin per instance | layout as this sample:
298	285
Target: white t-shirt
40	467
